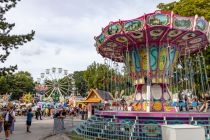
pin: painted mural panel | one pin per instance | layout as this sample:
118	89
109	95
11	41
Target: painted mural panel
138	36
162	57
143	58
134	25
182	22
158	19
122	39
130	61
135	59
156	33
201	24
153	57
173	33
101	39
113	29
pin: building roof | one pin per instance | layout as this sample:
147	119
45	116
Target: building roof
96	95
104	95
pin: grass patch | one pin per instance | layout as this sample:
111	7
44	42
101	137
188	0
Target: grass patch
74	136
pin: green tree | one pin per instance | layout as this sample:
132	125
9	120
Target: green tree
16	84
80	83
23	83
9	42
188	7
6	84
95	75
106	78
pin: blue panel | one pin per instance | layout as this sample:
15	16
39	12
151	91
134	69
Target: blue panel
153	57
135	60
171	58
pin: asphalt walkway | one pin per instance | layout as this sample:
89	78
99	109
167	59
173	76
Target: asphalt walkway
40	129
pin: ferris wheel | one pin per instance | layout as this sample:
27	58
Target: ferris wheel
57	82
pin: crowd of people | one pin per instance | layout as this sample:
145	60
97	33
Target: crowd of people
186	103
8	116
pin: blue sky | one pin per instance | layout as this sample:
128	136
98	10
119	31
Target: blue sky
65	30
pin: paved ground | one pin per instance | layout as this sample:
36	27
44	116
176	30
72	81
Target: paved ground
58	137
39	128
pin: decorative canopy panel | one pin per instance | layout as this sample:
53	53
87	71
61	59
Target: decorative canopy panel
150	45
189	34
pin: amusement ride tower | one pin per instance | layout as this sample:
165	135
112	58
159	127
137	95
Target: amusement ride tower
150	47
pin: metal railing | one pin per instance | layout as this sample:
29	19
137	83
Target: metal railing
142	129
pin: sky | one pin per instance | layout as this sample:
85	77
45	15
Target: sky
65	30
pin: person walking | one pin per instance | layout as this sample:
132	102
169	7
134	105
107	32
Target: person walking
83	114
62	117
29	120
39	113
8	118
13	122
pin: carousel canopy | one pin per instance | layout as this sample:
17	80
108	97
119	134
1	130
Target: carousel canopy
151	44
186	34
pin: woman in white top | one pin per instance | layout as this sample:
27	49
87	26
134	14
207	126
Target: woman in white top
8	119
13	122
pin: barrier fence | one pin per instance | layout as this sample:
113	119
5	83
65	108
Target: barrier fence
142	129
58	125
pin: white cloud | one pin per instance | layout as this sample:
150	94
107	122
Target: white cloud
65	30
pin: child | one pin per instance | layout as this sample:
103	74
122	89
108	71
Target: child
29	120
195	103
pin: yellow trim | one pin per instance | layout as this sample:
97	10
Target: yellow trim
94	91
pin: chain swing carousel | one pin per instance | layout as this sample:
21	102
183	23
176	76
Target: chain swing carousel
159	49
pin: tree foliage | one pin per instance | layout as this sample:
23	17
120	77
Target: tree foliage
80	83
17	84
95	75
9	41
188	7
104	77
